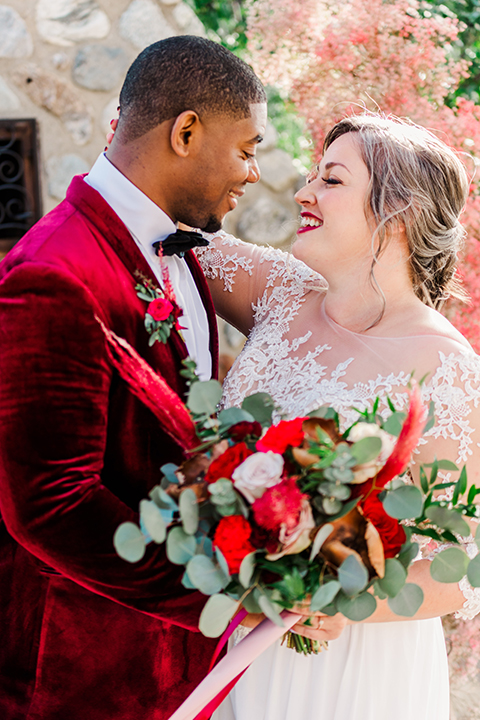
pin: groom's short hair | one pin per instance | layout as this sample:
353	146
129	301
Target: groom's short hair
185	73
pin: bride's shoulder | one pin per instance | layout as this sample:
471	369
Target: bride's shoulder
434	323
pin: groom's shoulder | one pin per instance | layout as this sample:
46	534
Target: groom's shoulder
71	237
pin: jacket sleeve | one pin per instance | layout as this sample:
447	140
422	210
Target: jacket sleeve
55	382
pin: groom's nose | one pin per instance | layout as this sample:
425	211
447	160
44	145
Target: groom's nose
254	171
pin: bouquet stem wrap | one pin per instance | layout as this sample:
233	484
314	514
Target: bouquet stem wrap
213	689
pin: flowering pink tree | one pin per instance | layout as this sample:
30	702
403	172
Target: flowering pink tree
334	57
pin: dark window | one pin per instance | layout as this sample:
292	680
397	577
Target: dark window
20	200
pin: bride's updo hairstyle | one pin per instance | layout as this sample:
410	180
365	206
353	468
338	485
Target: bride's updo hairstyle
418	182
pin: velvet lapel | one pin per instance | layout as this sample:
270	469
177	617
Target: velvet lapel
201	283
90	203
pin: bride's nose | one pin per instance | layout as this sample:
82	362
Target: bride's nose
305	196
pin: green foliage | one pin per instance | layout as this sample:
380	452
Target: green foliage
404	502
407	601
217	613
357	608
467	45
129	542
261	406
188	507
180	546
224	21
394	578
205	575
324	595
352	576
450	565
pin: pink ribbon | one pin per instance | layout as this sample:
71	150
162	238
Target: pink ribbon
207	696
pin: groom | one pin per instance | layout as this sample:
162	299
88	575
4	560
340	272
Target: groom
85	635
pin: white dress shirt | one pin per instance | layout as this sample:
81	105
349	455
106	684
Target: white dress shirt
147	223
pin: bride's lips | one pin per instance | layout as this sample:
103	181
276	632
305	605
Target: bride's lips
309	222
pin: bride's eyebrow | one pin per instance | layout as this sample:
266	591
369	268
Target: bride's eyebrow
329	165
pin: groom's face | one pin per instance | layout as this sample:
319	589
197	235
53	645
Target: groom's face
221	167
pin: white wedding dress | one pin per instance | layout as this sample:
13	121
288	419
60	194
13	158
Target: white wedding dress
295	352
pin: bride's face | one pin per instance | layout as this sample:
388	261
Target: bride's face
334	232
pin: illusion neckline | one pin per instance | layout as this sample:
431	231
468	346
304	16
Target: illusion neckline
330	321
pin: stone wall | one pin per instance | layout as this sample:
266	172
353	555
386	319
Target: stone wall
63	62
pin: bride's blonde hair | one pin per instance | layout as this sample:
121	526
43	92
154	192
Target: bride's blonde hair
418	182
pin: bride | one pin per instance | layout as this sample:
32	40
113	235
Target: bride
348	317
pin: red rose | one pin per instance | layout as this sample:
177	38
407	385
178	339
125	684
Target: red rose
232	537
391	532
279	437
241	430
224	465
160	309
279	505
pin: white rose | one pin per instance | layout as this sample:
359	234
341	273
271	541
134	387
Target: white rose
370	469
257	473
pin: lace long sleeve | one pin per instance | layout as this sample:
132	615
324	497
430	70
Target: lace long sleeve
455	390
240	274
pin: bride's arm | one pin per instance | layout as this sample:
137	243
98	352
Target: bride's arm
237	276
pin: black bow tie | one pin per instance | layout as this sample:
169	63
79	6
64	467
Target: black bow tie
180	242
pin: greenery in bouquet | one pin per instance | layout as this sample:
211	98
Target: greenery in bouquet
266	516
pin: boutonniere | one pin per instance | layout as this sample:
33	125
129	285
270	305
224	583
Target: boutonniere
162	312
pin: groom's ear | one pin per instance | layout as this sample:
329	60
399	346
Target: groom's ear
184	131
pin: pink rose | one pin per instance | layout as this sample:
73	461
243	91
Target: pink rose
160	309
297	538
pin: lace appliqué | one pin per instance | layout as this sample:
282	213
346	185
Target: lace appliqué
216	264
455	389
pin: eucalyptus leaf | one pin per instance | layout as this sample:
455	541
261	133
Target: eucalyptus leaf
169	471
187	583
250	603
188	507
180	546
261	406
233	415
162	499
378	591
408	553
394	578
352	575
477	536
449	565
358	608
247	568
129	542
270	610
393	424
222	562
404	502
320	538
473	571
217	613
205	575
366	449
331	506
448	519
204	397
408	600
153	521
324	595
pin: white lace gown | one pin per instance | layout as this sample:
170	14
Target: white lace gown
295	352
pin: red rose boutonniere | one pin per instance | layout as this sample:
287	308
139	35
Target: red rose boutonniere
162	311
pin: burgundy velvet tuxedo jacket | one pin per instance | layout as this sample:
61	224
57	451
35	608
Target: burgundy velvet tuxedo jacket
85	635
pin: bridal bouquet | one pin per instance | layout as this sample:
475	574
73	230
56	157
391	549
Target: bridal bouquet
266	516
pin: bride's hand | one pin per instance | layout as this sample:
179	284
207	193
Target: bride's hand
320	627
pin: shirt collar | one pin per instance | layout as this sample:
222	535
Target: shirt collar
144	219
